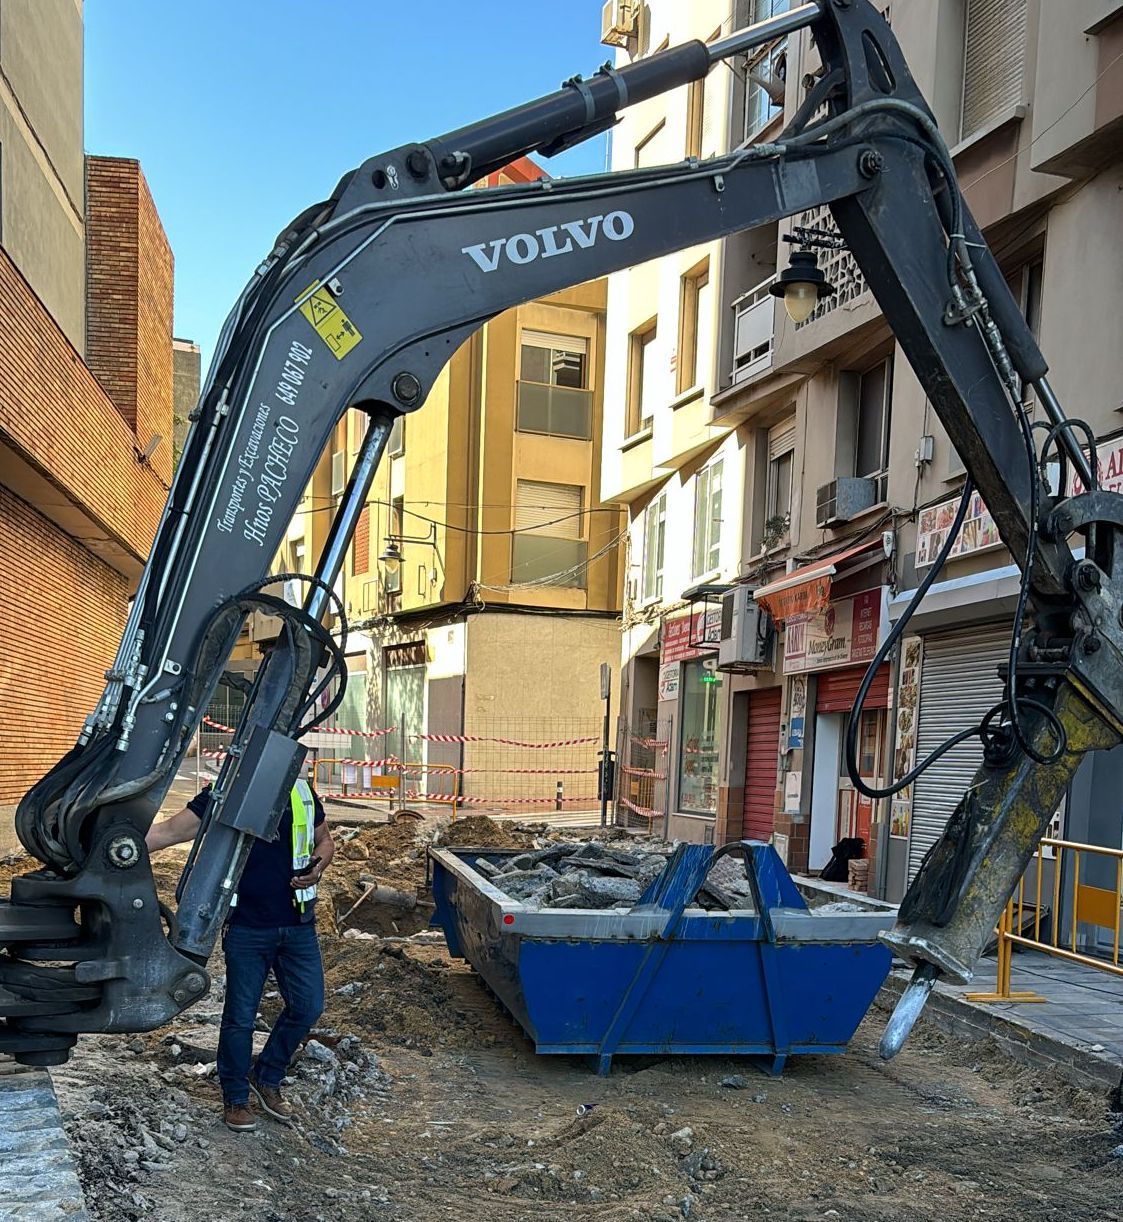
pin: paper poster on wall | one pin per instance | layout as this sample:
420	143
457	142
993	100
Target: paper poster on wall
793	787
797	714
780	844
908	712
668	681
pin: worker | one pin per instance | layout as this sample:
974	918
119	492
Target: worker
271	927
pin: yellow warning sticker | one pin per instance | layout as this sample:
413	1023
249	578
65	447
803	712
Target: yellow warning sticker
329	321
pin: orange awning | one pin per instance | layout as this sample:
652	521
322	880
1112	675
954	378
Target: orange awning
807	590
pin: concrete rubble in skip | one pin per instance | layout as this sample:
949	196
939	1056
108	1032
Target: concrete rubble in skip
36	1163
601	876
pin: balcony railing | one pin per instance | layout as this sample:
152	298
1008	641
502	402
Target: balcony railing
559	411
753	329
549	561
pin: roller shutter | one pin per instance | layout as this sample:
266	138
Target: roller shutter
836	690
760	764
958	686
994	61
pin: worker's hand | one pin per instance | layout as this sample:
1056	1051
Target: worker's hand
309	879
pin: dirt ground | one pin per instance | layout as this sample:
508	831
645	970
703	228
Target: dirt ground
420	1099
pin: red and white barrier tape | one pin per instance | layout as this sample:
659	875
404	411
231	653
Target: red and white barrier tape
443	769
644	812
391	761
217	725
646	772
354	733
651	744
506	742
509	801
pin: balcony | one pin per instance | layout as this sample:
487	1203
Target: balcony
549	561
754	325
558	411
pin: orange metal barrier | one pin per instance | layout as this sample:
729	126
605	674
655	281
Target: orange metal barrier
1100	907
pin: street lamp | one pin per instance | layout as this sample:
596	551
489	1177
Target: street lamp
391	557
802	284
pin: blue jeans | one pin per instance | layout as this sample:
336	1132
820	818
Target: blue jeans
293	954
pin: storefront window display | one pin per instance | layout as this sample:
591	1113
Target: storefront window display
698	743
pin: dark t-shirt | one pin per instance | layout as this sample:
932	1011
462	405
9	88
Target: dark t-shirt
265	898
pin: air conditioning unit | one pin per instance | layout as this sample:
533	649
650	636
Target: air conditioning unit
747	634
843	499
618	22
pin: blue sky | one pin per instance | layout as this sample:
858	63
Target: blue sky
244	112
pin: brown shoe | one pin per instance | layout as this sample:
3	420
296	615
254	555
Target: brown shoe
273	1103
238	1117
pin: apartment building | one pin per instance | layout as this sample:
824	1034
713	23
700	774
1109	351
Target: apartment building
845	481
85	392
483	582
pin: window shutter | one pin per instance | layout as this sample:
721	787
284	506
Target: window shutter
538	505
994	60
360	544
547	339
781	439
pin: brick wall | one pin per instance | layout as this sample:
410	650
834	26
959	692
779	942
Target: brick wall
53	411
62	612
129	274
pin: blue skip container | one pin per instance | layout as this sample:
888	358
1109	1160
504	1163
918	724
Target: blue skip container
665	977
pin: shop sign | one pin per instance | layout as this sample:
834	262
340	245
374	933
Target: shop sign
978	532
668	681
908	713
847	633
1109	465
704	625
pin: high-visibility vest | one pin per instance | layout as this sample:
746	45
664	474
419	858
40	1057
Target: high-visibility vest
303	821
303	837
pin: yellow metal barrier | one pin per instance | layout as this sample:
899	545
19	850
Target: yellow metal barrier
382	788
1091	905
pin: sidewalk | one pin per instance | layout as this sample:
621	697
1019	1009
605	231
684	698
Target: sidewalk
1078	1028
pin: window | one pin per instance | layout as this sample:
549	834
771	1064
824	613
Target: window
360	424
397	443
695	328
554	394
1025	284
698	746
993	61
649	150
643	381
871	442
707	519
695	109
360	544
778	497
654	539
394	571
764	89
548	547
1026	287
338	472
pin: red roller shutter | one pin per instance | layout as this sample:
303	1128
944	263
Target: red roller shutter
838	689
760	763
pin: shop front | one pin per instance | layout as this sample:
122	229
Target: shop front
834	618
834	649
947	681
690	700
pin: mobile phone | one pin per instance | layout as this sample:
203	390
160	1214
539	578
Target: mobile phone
301	870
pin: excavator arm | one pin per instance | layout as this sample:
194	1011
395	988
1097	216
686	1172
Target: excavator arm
360	304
